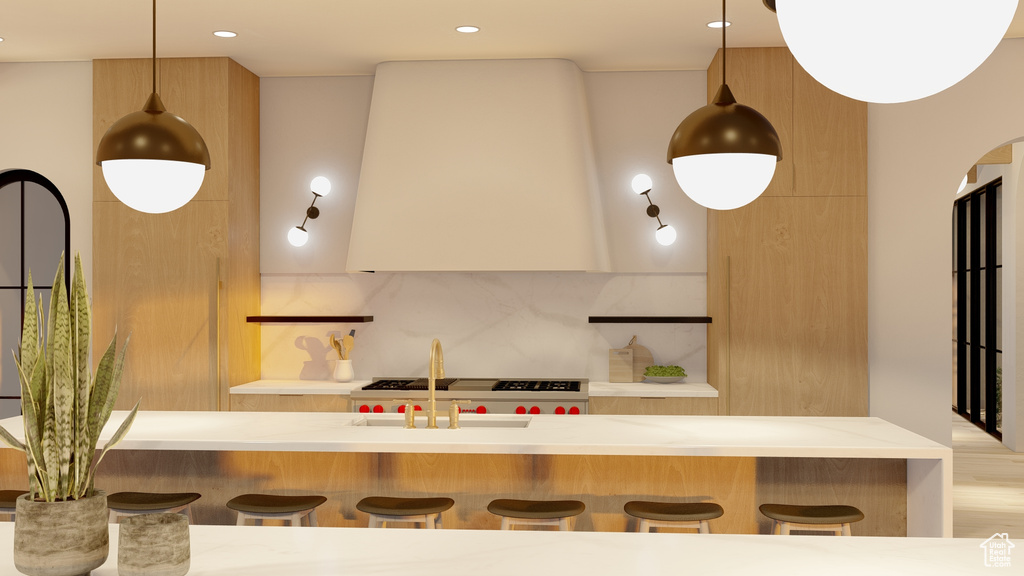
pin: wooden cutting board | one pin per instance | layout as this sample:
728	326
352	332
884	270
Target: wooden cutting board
642	358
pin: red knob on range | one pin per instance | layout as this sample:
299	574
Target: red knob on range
364	408
520	410
481	410
378	409
401	409
418	408
534	410
559	410
574	410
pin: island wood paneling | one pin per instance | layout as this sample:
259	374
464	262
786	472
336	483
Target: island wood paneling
787	274
289	403
603	483
653	406
183	282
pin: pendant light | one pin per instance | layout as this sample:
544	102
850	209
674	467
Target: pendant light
724	154
153	160
888	51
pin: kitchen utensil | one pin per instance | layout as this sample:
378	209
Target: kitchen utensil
347	343
642	358
337	347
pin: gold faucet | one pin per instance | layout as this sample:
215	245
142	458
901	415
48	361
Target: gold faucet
435	371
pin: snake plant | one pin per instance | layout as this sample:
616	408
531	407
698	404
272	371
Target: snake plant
64	406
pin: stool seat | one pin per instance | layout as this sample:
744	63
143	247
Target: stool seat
384	509
535	512
260	507
536	509
134	503
834	514
834	518
674	511
274	504
147	501
389	506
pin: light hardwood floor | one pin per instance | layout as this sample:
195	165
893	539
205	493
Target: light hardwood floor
988	484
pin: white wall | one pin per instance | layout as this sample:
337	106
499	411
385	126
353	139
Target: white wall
46	126
917	154
497	324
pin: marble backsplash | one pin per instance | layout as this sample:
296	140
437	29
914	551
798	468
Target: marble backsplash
514	324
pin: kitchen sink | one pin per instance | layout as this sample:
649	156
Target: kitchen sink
398	421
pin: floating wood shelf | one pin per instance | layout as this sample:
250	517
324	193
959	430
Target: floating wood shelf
307	319
650	320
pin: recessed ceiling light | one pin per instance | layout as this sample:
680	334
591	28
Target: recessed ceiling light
1	39
225	34
718	24
468	29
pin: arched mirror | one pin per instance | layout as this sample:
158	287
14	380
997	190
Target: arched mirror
34	229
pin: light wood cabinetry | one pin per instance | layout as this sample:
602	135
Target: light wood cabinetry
290	403
182	283
634	405
787	274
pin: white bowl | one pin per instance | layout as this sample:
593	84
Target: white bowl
664	379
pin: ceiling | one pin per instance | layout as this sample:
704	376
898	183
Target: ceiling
346	37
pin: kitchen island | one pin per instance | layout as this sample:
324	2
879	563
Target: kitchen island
901	481
252	550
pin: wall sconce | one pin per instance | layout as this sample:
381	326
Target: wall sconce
298	236
666	234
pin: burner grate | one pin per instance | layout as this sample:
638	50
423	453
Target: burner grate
538	385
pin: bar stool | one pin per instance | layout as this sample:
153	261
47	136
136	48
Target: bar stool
535	512
835	518
8	502
673	514
133	503
384	509
291	509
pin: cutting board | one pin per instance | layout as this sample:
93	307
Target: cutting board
642	358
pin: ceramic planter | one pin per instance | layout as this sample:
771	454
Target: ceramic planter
60	538
153	545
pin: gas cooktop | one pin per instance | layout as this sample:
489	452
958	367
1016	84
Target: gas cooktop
476	385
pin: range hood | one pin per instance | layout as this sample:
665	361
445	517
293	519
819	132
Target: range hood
478	165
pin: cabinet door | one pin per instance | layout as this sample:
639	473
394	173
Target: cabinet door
653	406
289	403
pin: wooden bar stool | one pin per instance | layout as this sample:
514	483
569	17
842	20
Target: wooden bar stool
835	518
291	509
8	502
535	512
673	514
384	509
123	504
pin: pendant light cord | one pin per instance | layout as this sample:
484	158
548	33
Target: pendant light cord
154	46
723	40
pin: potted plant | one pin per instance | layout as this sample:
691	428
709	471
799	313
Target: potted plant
61	524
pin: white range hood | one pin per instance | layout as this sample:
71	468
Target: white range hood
478	165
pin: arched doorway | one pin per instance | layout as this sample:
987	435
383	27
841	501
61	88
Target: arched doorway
34	229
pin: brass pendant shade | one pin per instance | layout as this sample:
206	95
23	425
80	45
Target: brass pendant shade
153	133
724	127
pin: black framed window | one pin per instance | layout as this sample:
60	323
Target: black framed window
34	229
977	276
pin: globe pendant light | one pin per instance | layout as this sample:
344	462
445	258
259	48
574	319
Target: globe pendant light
724	154
889	51
152	160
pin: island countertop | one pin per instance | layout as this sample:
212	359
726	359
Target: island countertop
738	436
249	550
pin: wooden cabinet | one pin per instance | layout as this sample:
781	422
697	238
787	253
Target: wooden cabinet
290	403
787	274
634	405
182	283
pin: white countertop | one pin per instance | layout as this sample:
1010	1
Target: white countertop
628	389
545	434
272	550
